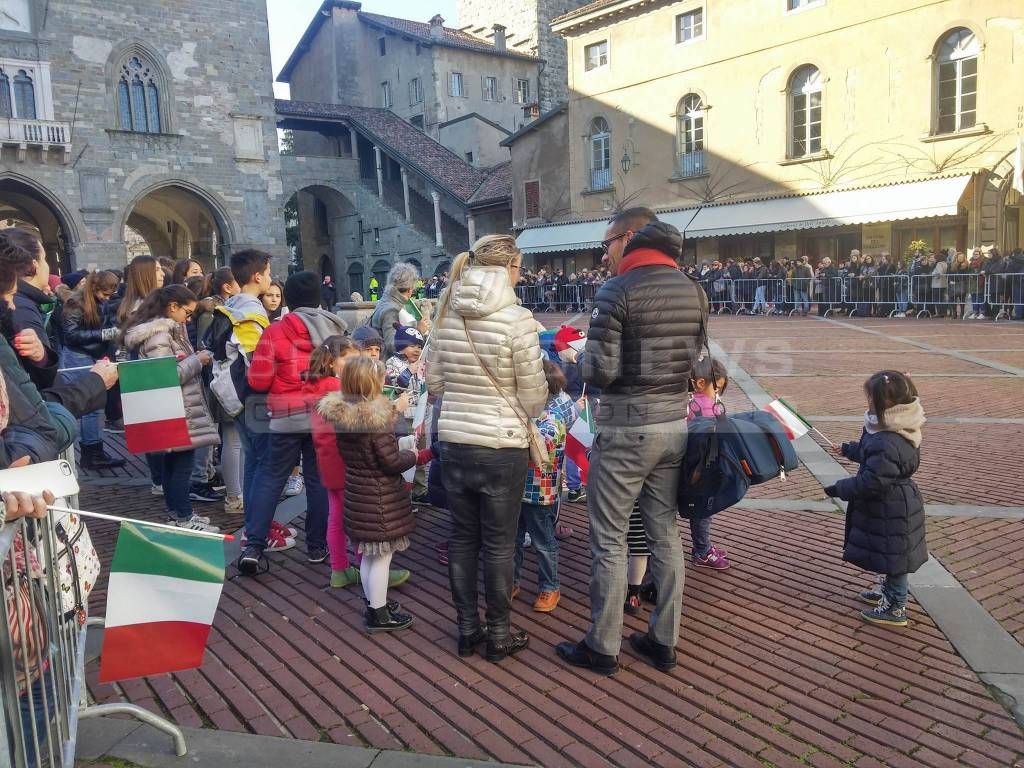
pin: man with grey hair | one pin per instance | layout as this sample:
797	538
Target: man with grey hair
398	289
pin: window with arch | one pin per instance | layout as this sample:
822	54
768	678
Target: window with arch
600	154
5	95
138	96
957	81
24	95
690	136
805	112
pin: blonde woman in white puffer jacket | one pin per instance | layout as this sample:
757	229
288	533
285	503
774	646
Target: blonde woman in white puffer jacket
484	356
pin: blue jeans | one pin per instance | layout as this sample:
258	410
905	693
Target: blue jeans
700	536
572	476
759	299
540	523
89	424
1018	297
177	479
254	453
40	713
156	467
199	476
282	453
803	301
895	589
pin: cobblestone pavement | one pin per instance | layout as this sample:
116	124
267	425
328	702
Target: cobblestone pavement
776	668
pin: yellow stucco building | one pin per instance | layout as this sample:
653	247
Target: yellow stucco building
790	127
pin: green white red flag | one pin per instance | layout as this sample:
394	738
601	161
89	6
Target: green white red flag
794	424
579	441
163	595
153	405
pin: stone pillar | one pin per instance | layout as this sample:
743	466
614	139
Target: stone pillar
436	197
354	139
471	228
405	194
380	172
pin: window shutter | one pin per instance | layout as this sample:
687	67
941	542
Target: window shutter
532	193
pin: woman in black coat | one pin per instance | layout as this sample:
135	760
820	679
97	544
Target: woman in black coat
885	522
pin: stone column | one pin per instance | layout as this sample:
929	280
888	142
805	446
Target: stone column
405	194
436	197
354	142
471	228
380	172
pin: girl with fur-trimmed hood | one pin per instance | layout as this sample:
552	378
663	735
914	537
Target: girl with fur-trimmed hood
378	510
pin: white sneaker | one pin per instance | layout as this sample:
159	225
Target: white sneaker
294	486
527	540
234	504
156	490
197	523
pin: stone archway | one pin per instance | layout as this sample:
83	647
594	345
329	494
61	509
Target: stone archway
178	220
993	209
323	230
25	204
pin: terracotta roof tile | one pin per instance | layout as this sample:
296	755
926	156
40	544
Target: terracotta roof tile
414	147
585	9
454	38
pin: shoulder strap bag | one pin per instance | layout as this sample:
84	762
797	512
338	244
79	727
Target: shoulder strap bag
538	449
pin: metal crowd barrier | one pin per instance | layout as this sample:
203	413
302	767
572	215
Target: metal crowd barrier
560	298
42	654
747	296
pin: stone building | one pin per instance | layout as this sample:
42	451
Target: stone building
146	124
790	127
395	158
527	28
463	91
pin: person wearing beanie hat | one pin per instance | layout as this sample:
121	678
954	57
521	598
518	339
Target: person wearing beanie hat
302	290
404	367
371	342
407	336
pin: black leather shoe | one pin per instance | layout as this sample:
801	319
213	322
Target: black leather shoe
580	655
657	655
382	620
468	643
497	650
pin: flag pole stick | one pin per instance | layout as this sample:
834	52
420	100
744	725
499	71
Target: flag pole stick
830	443
176	529
79	368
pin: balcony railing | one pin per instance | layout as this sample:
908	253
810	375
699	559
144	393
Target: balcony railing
691	164
600	178
40	133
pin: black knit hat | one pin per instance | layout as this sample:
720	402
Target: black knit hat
366	336
302	290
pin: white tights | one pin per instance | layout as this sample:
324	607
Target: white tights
374	571
635	570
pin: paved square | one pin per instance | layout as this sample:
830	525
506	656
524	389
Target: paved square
776	668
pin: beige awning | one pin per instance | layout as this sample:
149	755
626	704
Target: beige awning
571	236
897	202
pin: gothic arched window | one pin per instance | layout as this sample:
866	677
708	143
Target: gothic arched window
5	95
24	95
138	96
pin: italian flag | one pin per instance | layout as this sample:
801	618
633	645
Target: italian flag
412	309
153	405
794	424
161	600
579	440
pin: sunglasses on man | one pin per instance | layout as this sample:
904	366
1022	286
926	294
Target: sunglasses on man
610	240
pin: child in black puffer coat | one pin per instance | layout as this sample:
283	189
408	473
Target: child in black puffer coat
885	522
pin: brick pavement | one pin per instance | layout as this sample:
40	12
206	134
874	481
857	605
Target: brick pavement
775	666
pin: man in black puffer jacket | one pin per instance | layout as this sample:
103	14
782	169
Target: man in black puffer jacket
645	331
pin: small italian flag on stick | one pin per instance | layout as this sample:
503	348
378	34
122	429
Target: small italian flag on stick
412	309
153	405
163	595
579	441
794	424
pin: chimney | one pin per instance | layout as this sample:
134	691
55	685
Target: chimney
499	38
437	27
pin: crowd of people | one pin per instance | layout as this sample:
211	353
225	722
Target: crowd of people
467	407
985	285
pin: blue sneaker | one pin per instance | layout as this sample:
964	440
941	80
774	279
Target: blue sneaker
886	614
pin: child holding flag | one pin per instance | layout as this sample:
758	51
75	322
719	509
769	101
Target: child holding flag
885	522
156	330
539	512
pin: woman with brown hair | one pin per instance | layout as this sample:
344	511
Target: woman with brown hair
89	323
484	356
142	276
184	269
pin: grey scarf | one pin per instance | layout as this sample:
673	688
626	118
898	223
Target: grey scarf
905	420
